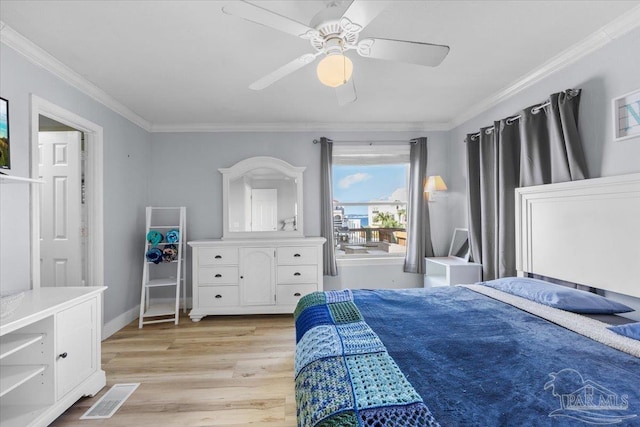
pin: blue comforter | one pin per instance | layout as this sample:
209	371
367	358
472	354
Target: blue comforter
344	375
476	361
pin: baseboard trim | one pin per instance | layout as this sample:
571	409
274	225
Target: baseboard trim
127	317
120	322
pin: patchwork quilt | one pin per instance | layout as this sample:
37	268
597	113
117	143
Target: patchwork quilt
344	375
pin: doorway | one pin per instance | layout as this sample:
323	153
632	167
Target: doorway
62	209
264	209
66	211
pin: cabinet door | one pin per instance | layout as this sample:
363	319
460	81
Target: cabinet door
75	346
257	276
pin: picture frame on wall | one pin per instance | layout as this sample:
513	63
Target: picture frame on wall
5	157
626	116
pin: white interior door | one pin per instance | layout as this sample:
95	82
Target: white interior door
264	209
60	208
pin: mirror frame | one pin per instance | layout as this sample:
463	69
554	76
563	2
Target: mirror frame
242	168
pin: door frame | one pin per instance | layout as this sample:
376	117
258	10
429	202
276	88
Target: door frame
93	188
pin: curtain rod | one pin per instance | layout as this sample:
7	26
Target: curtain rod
512	119
364	142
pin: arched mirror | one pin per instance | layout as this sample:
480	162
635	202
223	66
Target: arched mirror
262	197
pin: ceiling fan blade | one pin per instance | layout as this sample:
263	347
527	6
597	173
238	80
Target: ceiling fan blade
360	13
346	93
283	71
265	17
427	54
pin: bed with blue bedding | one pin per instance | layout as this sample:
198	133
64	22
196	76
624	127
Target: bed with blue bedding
452	357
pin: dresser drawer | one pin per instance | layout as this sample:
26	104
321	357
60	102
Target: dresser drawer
218	296
297	274
293	255
217	256
291	294
218	275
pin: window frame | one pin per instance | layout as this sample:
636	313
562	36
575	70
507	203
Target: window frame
379	252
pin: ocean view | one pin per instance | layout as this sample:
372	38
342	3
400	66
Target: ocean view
364	219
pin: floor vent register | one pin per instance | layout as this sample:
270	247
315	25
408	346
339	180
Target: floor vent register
110	402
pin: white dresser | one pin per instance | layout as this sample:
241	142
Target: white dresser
50	354
254	276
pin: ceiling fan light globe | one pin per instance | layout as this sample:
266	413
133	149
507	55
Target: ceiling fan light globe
334	70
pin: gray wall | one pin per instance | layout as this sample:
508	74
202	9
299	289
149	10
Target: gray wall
185	173
126	147
603	75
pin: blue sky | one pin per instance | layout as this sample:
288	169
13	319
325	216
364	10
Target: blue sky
365	183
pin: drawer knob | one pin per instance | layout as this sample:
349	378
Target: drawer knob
218	257
218	296
296	274
296	255
297	294
63	355
218	275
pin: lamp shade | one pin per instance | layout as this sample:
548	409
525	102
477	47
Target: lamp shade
435	183
334	70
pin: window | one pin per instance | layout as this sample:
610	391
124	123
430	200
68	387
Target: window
370	190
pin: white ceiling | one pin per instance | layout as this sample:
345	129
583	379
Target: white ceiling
186	65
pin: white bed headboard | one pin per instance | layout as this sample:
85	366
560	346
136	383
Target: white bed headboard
585	232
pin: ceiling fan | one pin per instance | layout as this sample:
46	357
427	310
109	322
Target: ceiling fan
332	32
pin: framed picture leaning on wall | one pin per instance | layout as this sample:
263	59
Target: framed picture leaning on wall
626	116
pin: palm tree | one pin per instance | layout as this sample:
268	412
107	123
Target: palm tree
386	220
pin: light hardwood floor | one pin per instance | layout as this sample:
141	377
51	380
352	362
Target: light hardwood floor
221	371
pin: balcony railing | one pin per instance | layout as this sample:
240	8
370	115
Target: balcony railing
358	236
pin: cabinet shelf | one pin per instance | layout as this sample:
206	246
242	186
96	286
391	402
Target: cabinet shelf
160	310
450	271
20	415
11	343
16	375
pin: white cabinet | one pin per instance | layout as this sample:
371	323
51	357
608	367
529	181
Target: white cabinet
50	354
449	271
254	276
75	346
258	276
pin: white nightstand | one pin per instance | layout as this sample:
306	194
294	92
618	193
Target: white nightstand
448	271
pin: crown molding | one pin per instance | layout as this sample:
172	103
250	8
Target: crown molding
595	41
301	127
40	57
603	36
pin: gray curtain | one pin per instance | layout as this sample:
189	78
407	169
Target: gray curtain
551	145
419	243
492	179
329	265
542	147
